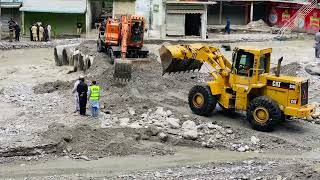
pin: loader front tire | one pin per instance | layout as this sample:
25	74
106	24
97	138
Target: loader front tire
201	101
263	113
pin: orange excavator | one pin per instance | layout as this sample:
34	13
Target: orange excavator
122	39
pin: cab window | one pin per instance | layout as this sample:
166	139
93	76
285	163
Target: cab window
244	63
264	61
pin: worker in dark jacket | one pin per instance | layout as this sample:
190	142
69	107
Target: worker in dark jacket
227	28
17	32
82	90
317	44
11	25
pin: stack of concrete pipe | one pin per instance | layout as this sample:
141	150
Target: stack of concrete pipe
70	55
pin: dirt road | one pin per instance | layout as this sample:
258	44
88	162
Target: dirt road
27	115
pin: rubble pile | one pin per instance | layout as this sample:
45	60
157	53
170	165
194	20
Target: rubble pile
5	45
260	24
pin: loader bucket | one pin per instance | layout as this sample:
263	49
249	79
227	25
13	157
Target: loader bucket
174	61
122	70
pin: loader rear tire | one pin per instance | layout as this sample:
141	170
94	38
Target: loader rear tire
201	101
263	113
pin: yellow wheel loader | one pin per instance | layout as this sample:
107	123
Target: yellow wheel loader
245	84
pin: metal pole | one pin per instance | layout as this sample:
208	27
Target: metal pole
150	14
251	11
0	21
220	13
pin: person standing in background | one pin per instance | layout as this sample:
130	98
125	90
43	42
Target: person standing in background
82	90
17	32
11	25
75	93
45	33
79	28
34	30
317	44
49	32
31	37
41	33
227	28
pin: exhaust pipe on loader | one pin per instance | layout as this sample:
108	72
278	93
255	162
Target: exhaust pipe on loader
279	67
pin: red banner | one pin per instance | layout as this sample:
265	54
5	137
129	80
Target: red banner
280	13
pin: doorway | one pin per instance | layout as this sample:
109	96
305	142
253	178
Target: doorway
192	24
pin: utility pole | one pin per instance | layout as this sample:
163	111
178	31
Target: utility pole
150	14
0	21
220	13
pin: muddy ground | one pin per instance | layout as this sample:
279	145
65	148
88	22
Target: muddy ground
146	129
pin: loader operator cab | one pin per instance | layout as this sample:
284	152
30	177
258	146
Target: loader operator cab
243	63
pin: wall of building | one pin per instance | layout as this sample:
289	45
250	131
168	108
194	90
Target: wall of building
121	7
236	12
62	24
260	11
7	13
280	13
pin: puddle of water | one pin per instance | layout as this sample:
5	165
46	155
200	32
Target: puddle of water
118	165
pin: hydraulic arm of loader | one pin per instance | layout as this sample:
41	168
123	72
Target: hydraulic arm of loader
181	58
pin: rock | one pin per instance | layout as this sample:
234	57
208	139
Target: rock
169	113
186	116
157	174
85	158
313	69
315	115
309	118
123	124
246	147
204	144
67	138
124	120
218	136
190	134
152	130
135	125
69	148
158	123
144	115
214	126
241	149
163	137
189	125
131	111
229	131
254	140
279	177
160	111
173	123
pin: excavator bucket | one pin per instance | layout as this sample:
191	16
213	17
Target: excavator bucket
122	70
173	60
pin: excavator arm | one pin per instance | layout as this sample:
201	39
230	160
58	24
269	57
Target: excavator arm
182	58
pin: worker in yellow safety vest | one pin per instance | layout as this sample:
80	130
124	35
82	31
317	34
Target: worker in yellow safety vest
94	96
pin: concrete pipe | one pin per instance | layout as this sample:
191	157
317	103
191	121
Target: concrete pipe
81	61
88	62
67	52
58	56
